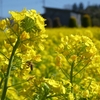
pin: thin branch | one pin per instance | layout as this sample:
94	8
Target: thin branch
4	55
81	70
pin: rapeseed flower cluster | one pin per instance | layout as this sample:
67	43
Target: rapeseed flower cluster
80	54
79	49
61	67
22	32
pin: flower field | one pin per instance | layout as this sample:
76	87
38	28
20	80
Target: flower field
47	64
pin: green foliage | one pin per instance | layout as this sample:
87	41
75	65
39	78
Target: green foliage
94	12
28	24
96	21
72	22
75	7
48	23
56	22
86	21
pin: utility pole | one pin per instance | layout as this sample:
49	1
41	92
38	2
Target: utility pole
43	3
0	8
88	3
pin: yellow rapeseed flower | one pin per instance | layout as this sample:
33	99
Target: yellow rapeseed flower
85	94
56	87
2	36
70	96
18	16
24	36
2	24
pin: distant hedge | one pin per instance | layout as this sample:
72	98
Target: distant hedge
56	22
72	22
49	23
86	21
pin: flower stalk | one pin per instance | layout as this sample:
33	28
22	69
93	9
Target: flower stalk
71	76
9	69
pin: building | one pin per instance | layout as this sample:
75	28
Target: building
63	14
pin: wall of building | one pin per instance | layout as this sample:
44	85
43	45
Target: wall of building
77	16
63	15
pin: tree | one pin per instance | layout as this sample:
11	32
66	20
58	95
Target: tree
86	21
56	22
72	22
75	7
48	23
81	6
94	12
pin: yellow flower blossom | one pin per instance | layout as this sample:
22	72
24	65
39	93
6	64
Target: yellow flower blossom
12	95
37	58
24	36
2	36
18	16
74	57
58	60
3	24
40	22
56	87
70	96
85	94
29	20
41	46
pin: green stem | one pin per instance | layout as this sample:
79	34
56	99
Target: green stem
65	73
81	70
9	69
1	82
71	76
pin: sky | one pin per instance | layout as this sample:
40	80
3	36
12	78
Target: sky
18	5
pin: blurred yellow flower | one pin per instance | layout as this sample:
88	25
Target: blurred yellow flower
56	86
18	16
71	96
3	24
2	36
85	93
24	36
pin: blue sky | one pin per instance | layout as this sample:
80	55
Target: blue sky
18	5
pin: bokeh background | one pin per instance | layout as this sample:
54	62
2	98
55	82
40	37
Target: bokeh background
18	5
